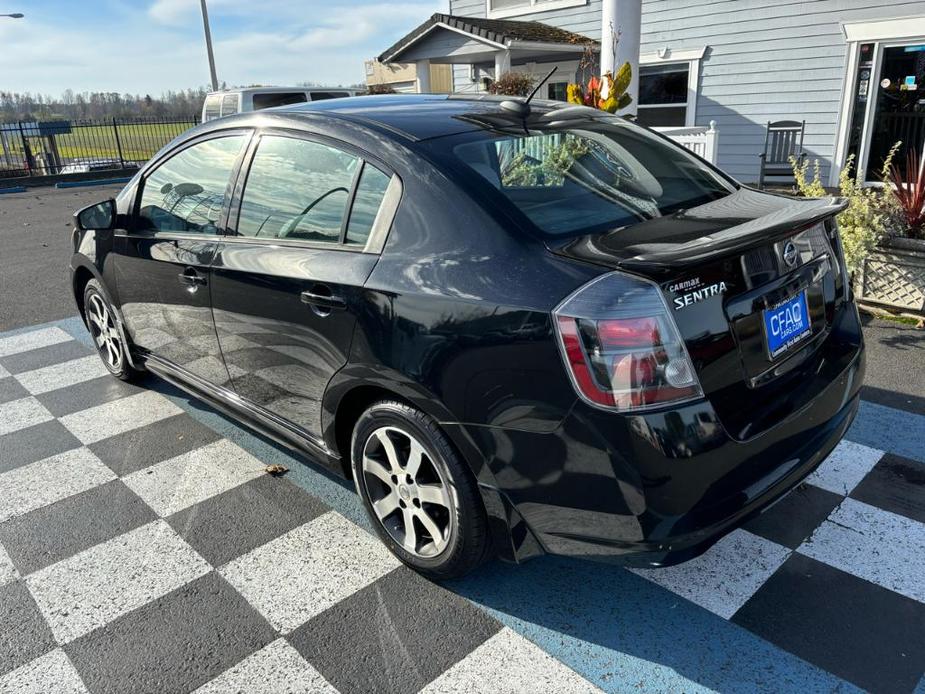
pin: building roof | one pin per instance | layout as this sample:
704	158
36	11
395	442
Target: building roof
502	31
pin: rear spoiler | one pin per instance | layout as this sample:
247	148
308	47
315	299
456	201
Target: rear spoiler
742	237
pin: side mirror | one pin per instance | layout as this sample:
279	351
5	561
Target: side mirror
100	216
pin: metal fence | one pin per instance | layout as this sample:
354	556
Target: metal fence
74	147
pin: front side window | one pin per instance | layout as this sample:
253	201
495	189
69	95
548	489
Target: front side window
213	107
663	93
186	193
297	189
607	175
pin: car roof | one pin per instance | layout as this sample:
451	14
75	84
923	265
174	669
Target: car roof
425	116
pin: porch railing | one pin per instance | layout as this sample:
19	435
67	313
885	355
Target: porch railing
702	141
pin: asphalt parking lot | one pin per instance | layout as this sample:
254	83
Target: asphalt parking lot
144	548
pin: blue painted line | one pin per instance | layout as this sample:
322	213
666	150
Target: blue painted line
13	189
84	184
624	633
889	429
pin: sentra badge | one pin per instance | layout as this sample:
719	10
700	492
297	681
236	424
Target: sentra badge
694	291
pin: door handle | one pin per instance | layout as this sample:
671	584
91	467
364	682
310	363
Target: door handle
323	300
191	278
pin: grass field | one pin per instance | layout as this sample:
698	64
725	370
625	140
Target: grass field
139	141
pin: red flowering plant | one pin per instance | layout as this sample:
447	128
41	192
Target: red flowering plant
909	194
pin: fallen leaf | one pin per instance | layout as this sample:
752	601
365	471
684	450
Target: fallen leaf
276	470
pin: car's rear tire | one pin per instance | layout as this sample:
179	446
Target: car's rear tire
407	472
101	322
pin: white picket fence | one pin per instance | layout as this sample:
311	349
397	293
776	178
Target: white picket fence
701	141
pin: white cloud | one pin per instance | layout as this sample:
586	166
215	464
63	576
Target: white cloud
156	46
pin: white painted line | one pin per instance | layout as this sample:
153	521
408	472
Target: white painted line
277	667
187	479
52	672
90	589
62	375
7	569
36	485
291	579
507	663
35	339
873	544
119	416
726	576
22	413
3	372
845	467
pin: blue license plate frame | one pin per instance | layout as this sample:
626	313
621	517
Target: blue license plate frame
786	324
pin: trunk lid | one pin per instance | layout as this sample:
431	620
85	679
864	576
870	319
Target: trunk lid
721	266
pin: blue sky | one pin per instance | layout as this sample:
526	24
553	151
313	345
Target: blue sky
150	46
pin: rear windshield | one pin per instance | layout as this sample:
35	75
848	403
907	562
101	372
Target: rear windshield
269	100
592	177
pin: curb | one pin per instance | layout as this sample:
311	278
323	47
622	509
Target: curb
83	184
13	189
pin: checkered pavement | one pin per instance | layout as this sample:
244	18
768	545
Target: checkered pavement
143	548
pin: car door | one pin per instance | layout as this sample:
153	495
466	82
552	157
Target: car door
288	278
161	262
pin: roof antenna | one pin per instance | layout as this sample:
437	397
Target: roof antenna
522	108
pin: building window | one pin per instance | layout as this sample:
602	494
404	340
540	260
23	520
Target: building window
663	95
512	8
557	91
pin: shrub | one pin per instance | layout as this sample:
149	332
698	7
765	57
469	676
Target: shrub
512	84
866	219
379	89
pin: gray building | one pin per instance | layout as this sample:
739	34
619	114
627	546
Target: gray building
853	70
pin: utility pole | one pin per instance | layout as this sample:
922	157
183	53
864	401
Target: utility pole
205	25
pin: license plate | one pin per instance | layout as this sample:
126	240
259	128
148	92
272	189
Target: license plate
786	324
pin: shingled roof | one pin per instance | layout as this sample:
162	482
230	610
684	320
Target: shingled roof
496	30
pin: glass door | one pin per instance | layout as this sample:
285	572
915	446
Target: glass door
899	109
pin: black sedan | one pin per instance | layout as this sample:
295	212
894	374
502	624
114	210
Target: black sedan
517	329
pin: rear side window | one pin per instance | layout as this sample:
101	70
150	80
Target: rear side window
186	193
321	96
370	192
271	99
213	107
297	189
229	104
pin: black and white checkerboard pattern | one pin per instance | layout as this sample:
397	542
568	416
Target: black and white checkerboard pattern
141	550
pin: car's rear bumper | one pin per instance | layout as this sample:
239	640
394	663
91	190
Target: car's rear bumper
657	488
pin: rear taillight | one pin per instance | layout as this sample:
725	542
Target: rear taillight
621	346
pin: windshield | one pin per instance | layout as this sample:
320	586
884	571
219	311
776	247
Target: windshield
596	176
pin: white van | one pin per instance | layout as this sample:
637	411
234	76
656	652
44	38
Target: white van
231	101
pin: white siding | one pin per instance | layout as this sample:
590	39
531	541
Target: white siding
767	60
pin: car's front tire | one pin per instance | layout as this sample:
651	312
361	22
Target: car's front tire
420	495
101	322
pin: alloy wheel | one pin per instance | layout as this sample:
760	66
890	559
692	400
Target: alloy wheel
408	492
104	332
